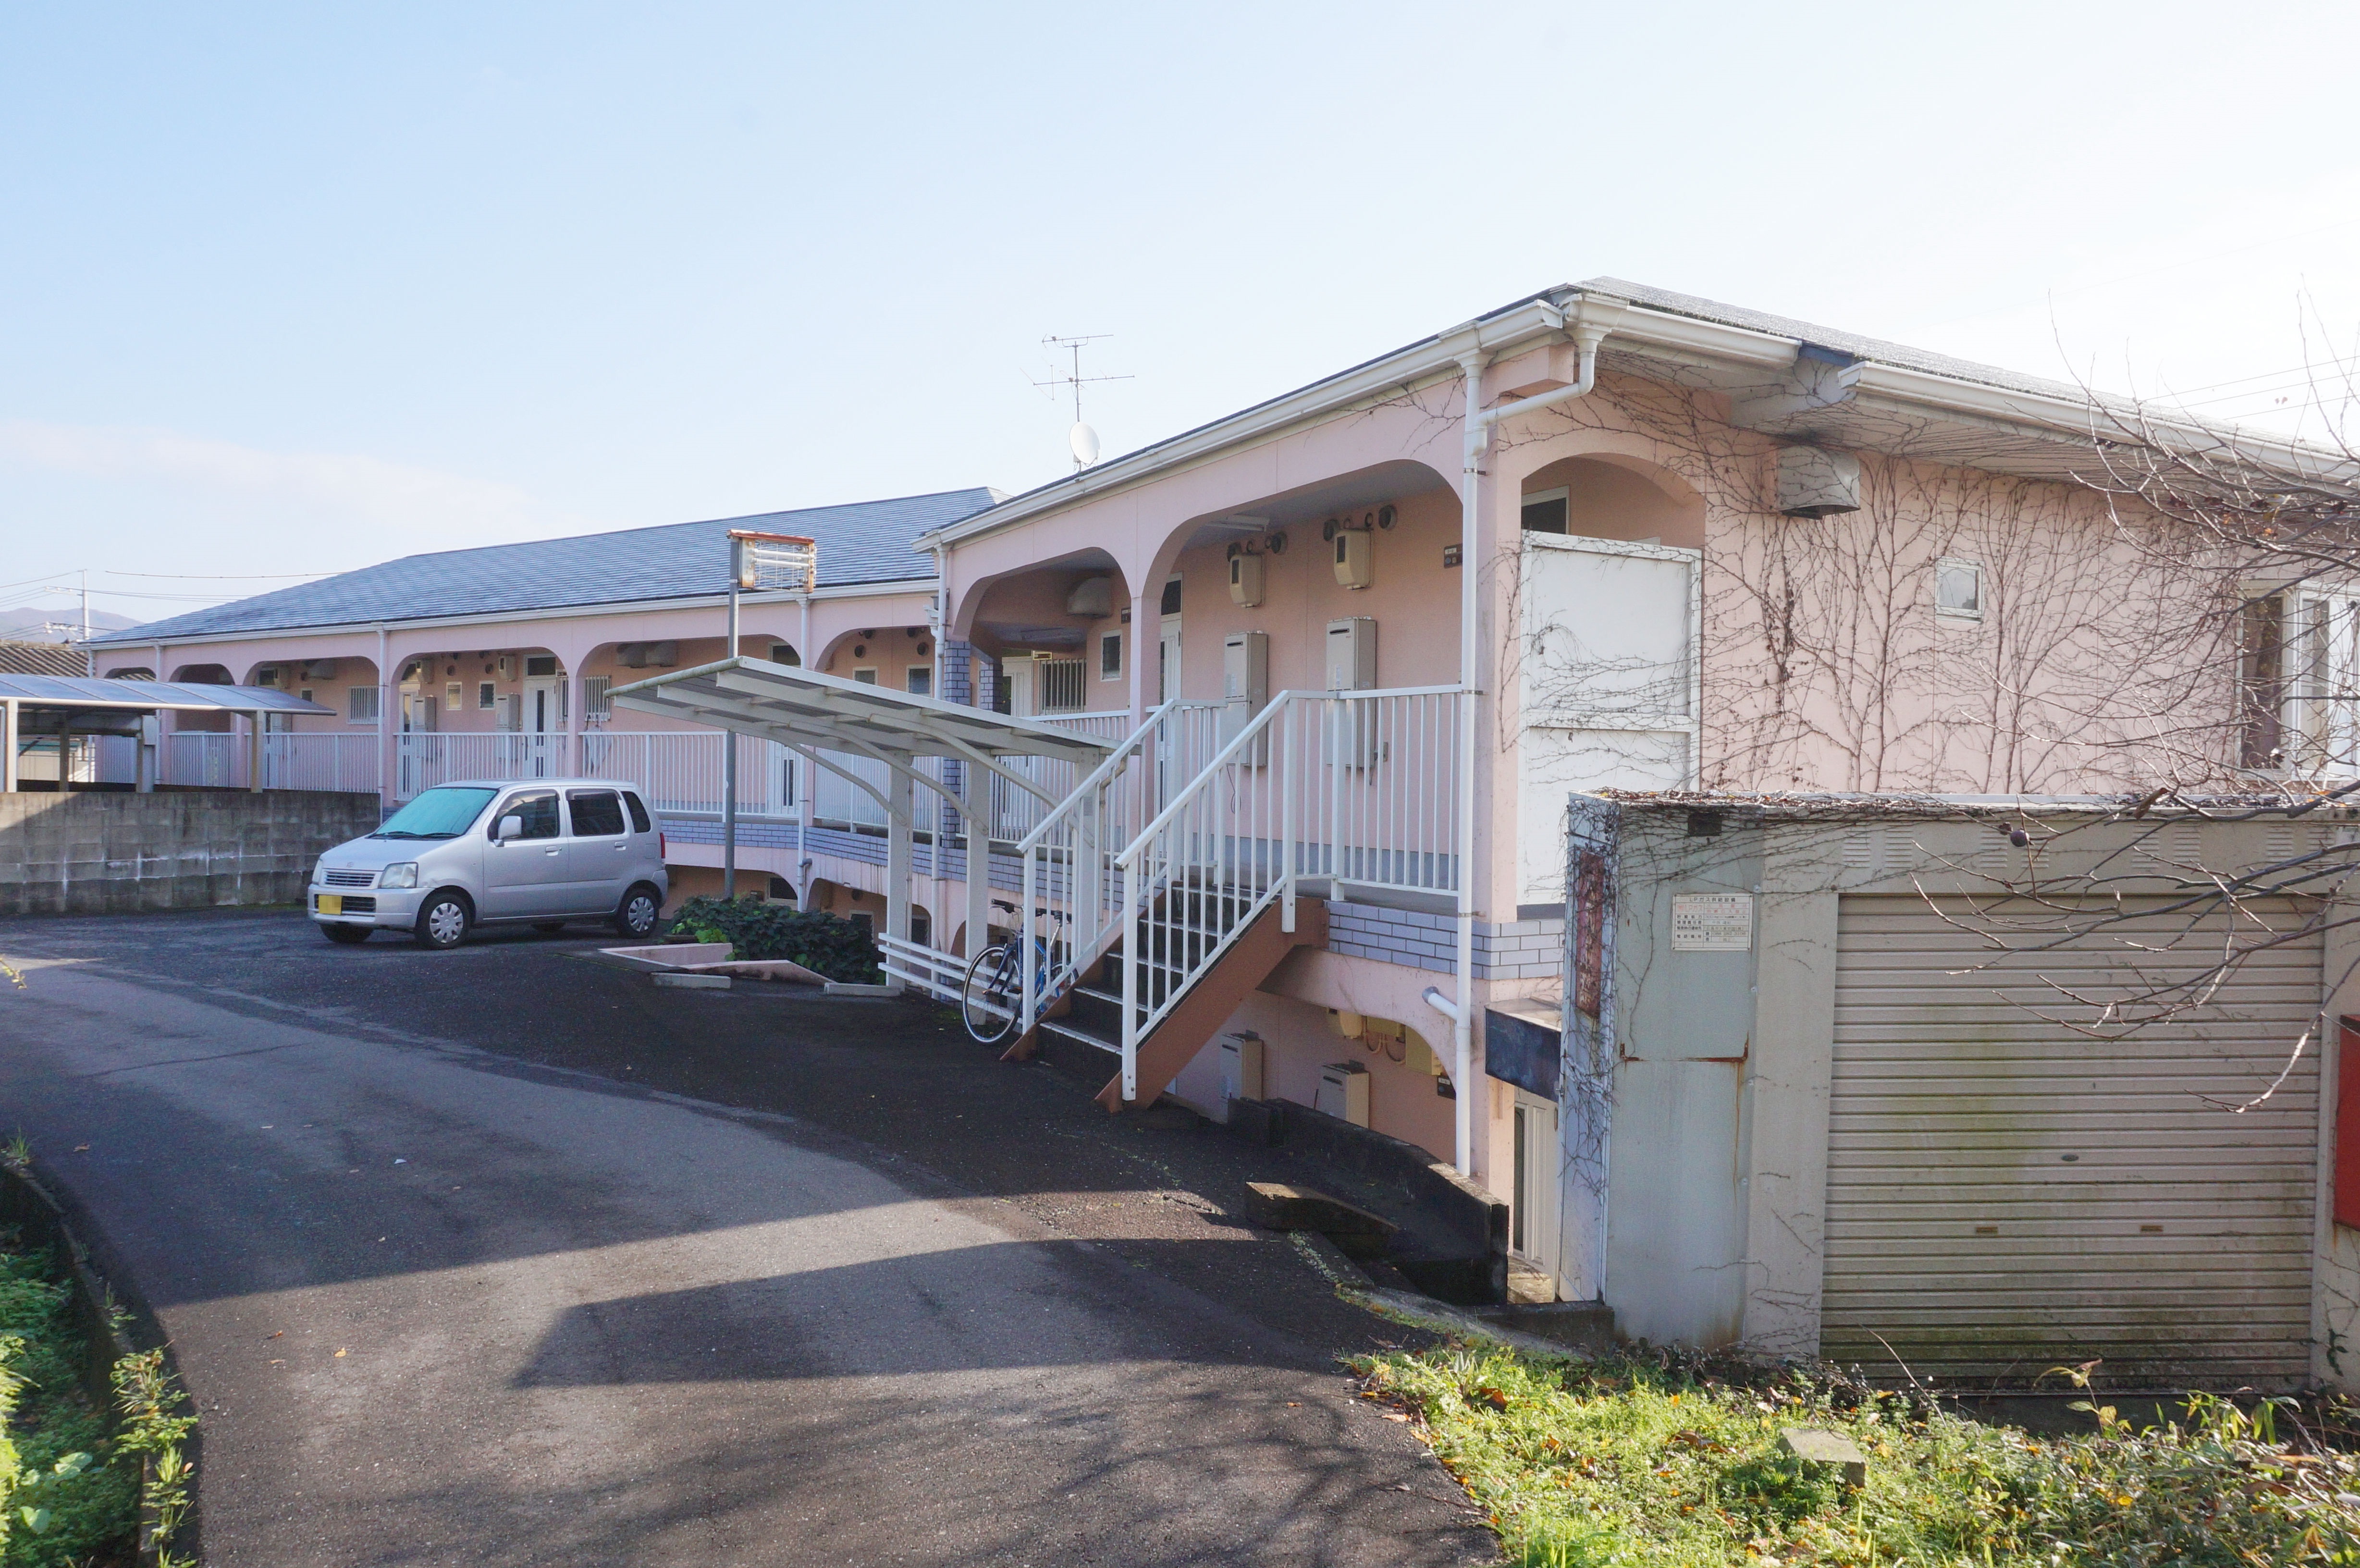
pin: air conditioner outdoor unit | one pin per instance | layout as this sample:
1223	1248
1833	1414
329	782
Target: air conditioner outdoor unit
662	655
1091	596
319	669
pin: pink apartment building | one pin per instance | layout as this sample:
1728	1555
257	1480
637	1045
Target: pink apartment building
1338	659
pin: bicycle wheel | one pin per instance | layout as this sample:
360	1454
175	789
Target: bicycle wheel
989	999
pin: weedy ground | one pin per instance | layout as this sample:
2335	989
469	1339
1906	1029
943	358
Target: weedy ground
69	1490
1676	1463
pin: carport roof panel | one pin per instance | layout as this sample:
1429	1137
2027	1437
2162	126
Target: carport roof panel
91	691
804	707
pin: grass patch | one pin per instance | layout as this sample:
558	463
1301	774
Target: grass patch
1676	1463
73	1473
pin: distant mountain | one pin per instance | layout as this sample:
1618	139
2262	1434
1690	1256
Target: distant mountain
37	624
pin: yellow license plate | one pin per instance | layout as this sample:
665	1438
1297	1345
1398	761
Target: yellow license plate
332	903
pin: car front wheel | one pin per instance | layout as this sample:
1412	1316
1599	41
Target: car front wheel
442	923
637	915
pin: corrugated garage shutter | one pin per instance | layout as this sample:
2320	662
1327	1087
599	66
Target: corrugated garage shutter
2006	1195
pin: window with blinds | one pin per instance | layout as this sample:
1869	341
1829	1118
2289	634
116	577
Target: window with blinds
594	696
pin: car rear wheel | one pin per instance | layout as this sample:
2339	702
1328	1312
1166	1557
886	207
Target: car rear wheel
636	915
442	923
348	935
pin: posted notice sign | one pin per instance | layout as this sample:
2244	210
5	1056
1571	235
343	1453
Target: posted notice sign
1712	922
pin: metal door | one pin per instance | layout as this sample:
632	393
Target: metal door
1533	1203
542	722
2007	1194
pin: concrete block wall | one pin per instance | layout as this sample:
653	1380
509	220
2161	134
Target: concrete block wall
104	854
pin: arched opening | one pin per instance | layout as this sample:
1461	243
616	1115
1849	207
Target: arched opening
203	724
1057	638
1613	498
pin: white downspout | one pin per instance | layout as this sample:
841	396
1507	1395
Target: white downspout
1479	422
1462	1012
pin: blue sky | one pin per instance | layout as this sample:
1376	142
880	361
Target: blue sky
288	290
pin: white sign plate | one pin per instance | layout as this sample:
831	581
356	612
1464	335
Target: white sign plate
1712	922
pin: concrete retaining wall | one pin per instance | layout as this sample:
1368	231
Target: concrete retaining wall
120	853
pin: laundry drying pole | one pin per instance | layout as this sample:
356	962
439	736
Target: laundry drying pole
757	562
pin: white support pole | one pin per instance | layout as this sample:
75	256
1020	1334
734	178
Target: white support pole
730	770
974	818
897	854
1471	648
254	751
9	744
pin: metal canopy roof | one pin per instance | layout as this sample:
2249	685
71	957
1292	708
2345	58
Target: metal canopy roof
90	692
799	707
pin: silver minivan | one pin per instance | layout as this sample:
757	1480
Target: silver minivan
537	851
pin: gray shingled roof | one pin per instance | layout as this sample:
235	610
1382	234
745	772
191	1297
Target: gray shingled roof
866	541
1873	349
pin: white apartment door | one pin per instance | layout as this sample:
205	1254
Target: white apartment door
1167	661
1532	1211
542	722
1170	770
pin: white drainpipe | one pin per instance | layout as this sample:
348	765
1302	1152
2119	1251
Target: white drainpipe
1479	422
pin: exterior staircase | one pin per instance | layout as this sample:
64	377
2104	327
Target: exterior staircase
1158	932
1244	962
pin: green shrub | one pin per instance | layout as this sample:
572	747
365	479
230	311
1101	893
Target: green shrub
826	944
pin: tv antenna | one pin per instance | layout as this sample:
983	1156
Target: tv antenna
1081	438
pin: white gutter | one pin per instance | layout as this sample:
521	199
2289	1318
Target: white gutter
1593	317
554	613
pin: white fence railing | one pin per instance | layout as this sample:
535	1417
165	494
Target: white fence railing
206	761
343	763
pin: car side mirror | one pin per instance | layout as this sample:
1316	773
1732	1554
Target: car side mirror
511	827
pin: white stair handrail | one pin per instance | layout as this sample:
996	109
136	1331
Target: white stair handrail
1351	772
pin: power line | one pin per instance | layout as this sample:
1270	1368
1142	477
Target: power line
208	577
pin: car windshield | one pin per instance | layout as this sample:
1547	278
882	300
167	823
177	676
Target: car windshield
444	812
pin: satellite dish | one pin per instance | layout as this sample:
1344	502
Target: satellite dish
1084	443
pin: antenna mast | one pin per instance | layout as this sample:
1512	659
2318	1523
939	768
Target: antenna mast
1084	439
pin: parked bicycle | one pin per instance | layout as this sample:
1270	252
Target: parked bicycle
994	989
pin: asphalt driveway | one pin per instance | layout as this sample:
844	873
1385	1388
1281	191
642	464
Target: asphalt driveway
504	1257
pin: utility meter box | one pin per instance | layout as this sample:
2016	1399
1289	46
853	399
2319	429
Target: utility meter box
1344	1091
1352	654
1245	689
1241	1060
1356	561
1246	581
1349	729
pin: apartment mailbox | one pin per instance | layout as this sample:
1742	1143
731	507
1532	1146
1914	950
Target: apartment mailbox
1245	689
